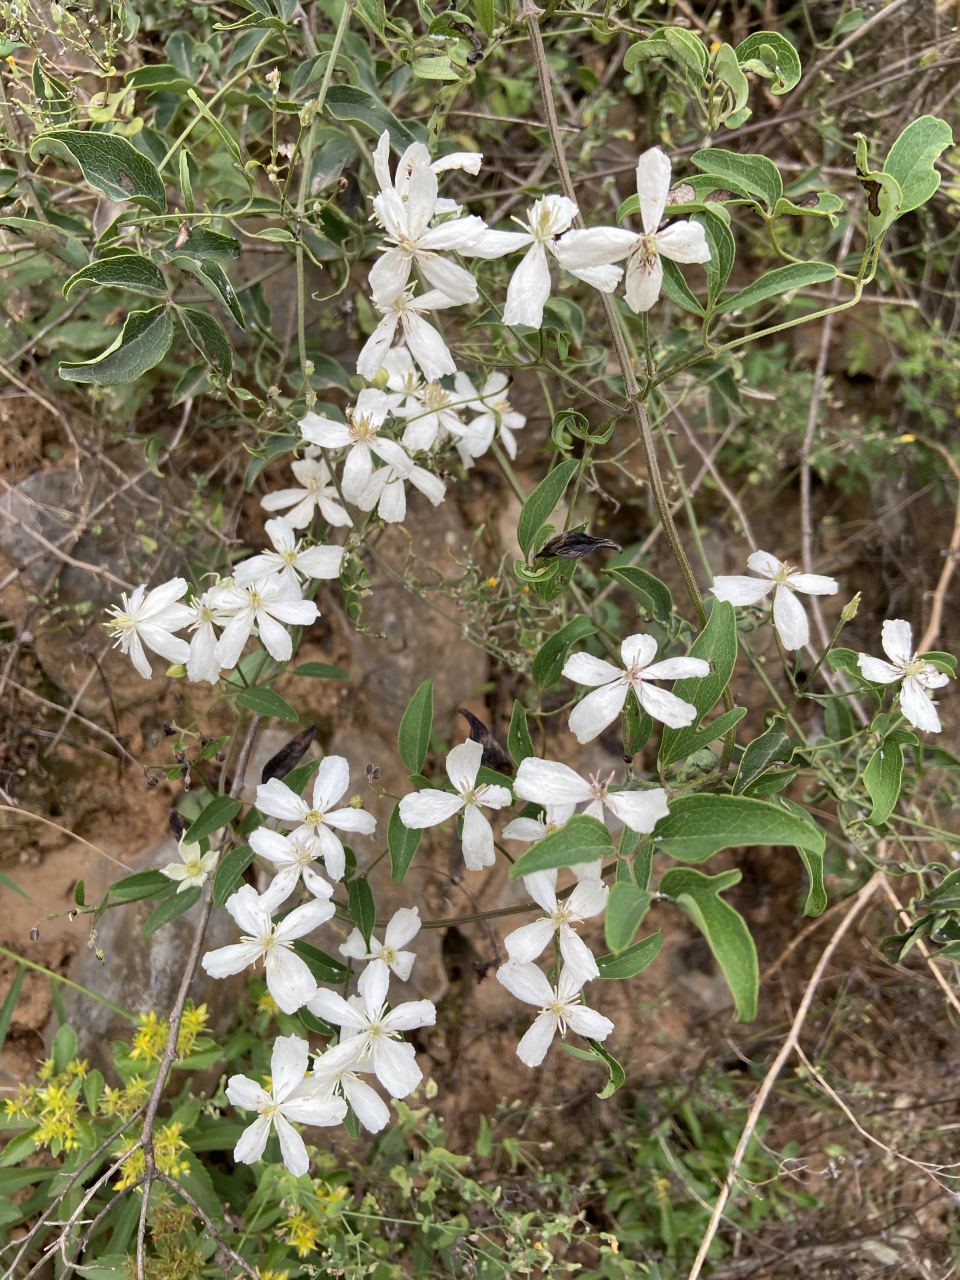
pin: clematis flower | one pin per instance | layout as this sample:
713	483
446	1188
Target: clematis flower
426	345
681	242
293	856
369	1108
193	869
529	830
315	821
560	1008
289	980
410	239
359	435
495	411
291	1097
600	708
369	1030
385	490
262	605
546	220
777	576
404	925
917	676
417	153
432	415
150	618
428	808
290	558
548	782
318	492
588	899
202	663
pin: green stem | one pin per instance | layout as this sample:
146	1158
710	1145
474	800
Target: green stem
133	1017
508	471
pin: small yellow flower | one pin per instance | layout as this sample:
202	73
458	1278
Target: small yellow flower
492	582
168	1148
907	438
300	1231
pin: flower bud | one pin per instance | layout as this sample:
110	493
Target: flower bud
177	671
355	802
380	378
849	611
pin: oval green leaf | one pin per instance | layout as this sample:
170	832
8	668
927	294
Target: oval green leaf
580	839
109	163
143	342
266	703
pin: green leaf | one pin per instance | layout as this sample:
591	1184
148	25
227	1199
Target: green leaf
626	907
542	502
151	79
882	191
812	859
18	1148
321	671
726	68
911	160
688	50
348	103
413	739
402	844
644	50
362	909
217	283
144	884
125	271
434	69
796	275
207	335
10	1003
775	744
78	893
174	906
220	812
548	664
223	134
717	643
229	874
11	884
580	839
755	173
653	594
676	287
486	16
771	56
883	777
143	342
65	1045
723	251
826	207
633	960
299	776
109	163
50	239
373	14
519	741
617	1073
266	703
699	826
323	967
725	930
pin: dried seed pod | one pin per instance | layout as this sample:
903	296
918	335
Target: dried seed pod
574	545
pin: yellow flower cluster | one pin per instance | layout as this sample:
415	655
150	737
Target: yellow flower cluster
124	1102
301	1231
53	1105
168	1147
150	1038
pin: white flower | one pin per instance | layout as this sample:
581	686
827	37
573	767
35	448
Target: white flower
385	490
427	808
548	782
193	868
530	284
262	605
149	618
293	856
530	830
291	1098
495	411
681	242
290	557
316	819
426	345
369	1108
417	153
588	899
559	1009
431	413
404	925
410	238
318	491
202	663
776	575
369	1030
359	435
289	980
917	676
600	708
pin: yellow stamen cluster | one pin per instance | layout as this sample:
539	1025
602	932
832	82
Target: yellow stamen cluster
301	1231
54	1105
150	1038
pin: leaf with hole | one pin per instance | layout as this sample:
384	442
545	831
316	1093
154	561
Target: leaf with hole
109	163
143	342
266	703
912	157
580	839
413	738
725	930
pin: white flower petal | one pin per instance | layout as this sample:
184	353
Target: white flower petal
584	668
877	670
684	242
595	247
289	980
638	650
529	289
246	1093
598	709
396	1067
739	589
403	927
665	706
812	584
369	1108
276	799
644	281
653	187
897	640
764	563
550	782
427	347
252	1141
526	943
478	850
463	764
918	707
526	982
639	810
677	669
577	956
226	961
533	1047
790	619
427	808
588	1023
292	1149
288	1065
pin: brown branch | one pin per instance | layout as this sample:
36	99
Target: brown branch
929	637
